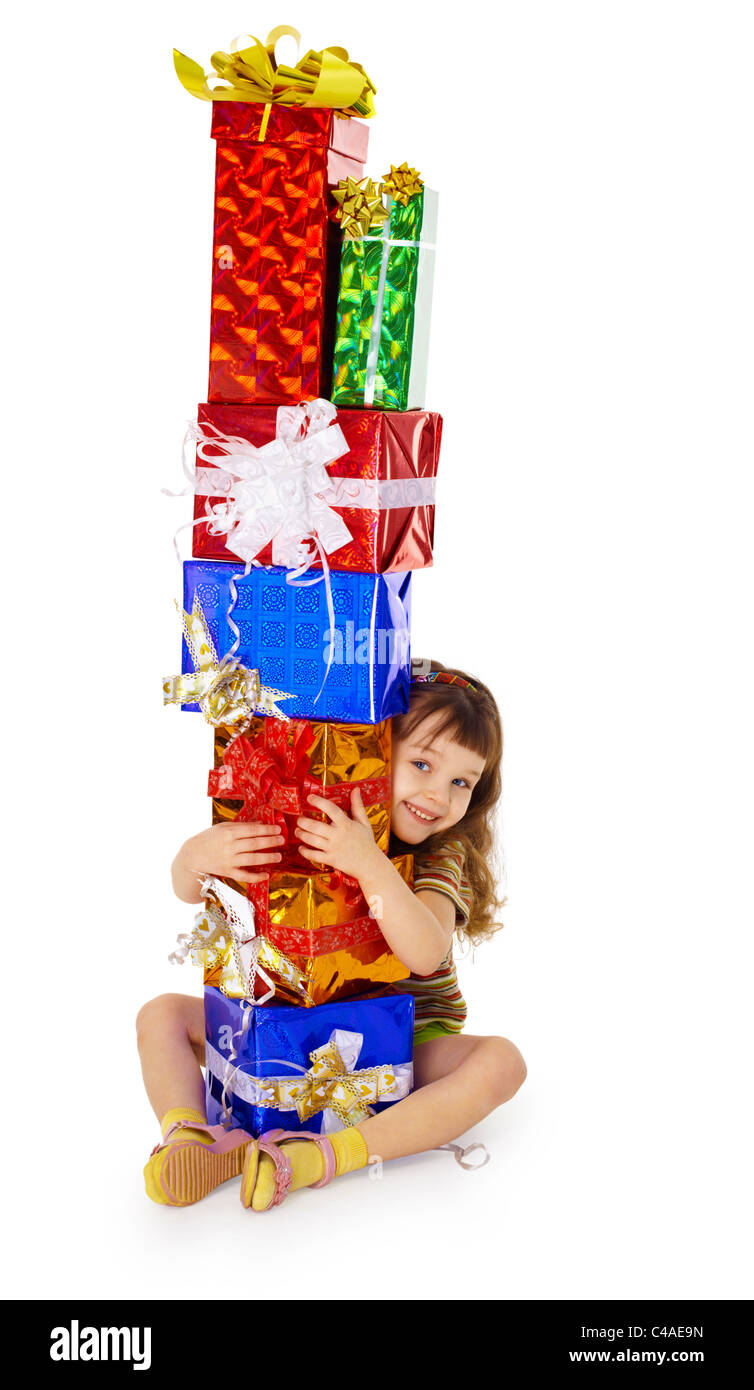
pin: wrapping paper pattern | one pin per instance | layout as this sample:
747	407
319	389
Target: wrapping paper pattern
283	626
273	309
396	454
321	922
275	766
374	279
276	1035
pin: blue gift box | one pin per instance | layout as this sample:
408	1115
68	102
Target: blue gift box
283	629
278	1042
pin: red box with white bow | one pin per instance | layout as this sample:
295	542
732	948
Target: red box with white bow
285	487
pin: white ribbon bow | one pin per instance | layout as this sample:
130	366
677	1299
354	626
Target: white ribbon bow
276	492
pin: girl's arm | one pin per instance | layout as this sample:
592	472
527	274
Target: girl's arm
225	851
418	927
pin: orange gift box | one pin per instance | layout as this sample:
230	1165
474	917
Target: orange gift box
322	924
267	774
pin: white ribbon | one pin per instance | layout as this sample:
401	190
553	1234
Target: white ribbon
258	1090
373	350
363	494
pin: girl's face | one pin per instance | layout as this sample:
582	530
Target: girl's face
433	778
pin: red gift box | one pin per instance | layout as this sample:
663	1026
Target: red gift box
383	487
276	251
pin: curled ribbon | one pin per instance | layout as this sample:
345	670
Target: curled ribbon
324	78
226	692
331	1085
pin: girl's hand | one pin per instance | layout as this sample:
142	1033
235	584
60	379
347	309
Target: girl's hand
230	850
345	842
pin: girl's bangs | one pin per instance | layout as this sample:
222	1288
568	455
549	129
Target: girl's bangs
473	728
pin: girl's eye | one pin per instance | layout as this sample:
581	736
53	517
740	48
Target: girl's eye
420	763
460	782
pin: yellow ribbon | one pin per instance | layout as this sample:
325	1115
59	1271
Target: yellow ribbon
328	1085
226	692
325	78
360	206
212	942
402	182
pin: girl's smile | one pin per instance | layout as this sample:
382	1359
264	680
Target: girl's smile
420	815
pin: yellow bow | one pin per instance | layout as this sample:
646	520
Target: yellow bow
360	206
226	692
326	78
329	1085
402	182
214	943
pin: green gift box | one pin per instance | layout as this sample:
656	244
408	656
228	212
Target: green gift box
384	309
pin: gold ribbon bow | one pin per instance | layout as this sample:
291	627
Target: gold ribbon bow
226	692
213	942
402	183
360	206
325	78
330	1084
224	936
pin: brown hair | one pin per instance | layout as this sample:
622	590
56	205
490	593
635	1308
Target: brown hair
473	719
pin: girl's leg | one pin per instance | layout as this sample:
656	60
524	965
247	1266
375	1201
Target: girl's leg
458	1081
170	1039
193	1160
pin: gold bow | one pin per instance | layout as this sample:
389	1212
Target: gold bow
325	78
226	692
328	1085
360	206
402	182
213	943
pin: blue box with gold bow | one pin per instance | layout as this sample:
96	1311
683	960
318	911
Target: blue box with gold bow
333	647
283	1067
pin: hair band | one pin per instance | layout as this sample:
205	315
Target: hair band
444	678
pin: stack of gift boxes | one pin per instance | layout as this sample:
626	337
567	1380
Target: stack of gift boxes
314	501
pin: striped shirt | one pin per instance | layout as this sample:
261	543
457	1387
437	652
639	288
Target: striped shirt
440	1006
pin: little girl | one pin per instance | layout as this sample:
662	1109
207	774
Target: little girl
446	754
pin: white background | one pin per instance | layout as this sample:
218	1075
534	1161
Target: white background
592	358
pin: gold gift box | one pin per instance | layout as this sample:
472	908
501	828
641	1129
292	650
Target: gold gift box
322	923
